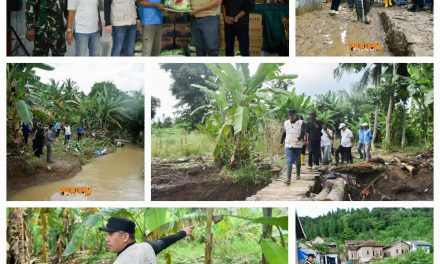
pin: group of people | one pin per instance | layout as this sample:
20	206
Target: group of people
46	26
317	138
42	136
365	5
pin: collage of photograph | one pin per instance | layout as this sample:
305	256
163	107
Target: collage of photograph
211	134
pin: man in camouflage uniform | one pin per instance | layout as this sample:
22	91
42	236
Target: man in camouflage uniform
46	27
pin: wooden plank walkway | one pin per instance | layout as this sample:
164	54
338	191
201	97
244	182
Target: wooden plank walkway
277	190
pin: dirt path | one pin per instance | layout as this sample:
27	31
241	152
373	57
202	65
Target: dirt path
319	34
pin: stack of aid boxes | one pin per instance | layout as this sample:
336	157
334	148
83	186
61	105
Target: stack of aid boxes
255	35
176	31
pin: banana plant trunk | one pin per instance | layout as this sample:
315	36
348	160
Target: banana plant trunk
403	143
241	150
20	240
208	243
267	231
375	127
390	109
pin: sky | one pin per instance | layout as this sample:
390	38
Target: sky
127	77
315	211
313	79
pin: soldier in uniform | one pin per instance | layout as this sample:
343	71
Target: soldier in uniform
46	27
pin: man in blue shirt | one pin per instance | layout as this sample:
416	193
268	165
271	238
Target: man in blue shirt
361	149
151	19
368	135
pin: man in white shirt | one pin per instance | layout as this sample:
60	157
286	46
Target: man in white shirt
67	134
120	239
346	143
84	15
326	144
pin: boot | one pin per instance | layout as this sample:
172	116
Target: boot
386	3
390	2
303	159
289	175
298	173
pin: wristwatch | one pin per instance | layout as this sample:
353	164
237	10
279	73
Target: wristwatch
69	30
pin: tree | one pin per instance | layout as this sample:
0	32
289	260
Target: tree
237	102
189	98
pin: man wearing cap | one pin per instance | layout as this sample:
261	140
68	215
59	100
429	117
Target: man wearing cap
293	140
314	133
346	143
120	239
361	149
310	259
368	136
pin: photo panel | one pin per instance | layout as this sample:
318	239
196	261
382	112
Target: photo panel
276	132
148	28
351	234
147	235
365	28
75	131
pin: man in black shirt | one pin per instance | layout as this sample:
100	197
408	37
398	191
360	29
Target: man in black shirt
236	18
314	133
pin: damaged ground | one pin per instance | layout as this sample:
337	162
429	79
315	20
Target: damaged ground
392	178
199	180
398	31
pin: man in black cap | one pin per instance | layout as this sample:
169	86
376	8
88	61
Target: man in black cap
120	239
310	259
293	140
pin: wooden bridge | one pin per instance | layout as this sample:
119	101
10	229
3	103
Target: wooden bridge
277	190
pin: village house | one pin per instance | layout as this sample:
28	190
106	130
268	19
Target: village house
397	249
416	244
317	240
363	251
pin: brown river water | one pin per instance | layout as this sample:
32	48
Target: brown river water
114	177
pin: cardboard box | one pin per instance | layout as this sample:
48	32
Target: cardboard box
167	43
167	30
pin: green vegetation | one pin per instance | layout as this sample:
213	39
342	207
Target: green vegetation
237	115
177	142
106	113
71	235
411	258
383	225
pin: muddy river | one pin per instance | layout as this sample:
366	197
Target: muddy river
114	177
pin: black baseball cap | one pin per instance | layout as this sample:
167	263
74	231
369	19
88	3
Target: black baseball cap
311	255
292	111
116	223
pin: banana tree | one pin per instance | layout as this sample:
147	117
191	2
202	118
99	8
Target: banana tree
236	103
20	78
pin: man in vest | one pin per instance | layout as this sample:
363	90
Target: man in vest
121	19
45	26
120	239
293	140
205	26
310	259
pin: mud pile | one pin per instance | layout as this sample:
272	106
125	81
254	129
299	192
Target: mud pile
196	180
401	179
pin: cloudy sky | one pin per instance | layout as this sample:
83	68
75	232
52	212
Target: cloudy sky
127	77
312	79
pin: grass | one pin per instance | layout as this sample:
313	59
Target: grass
250	173
174	143
238	252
